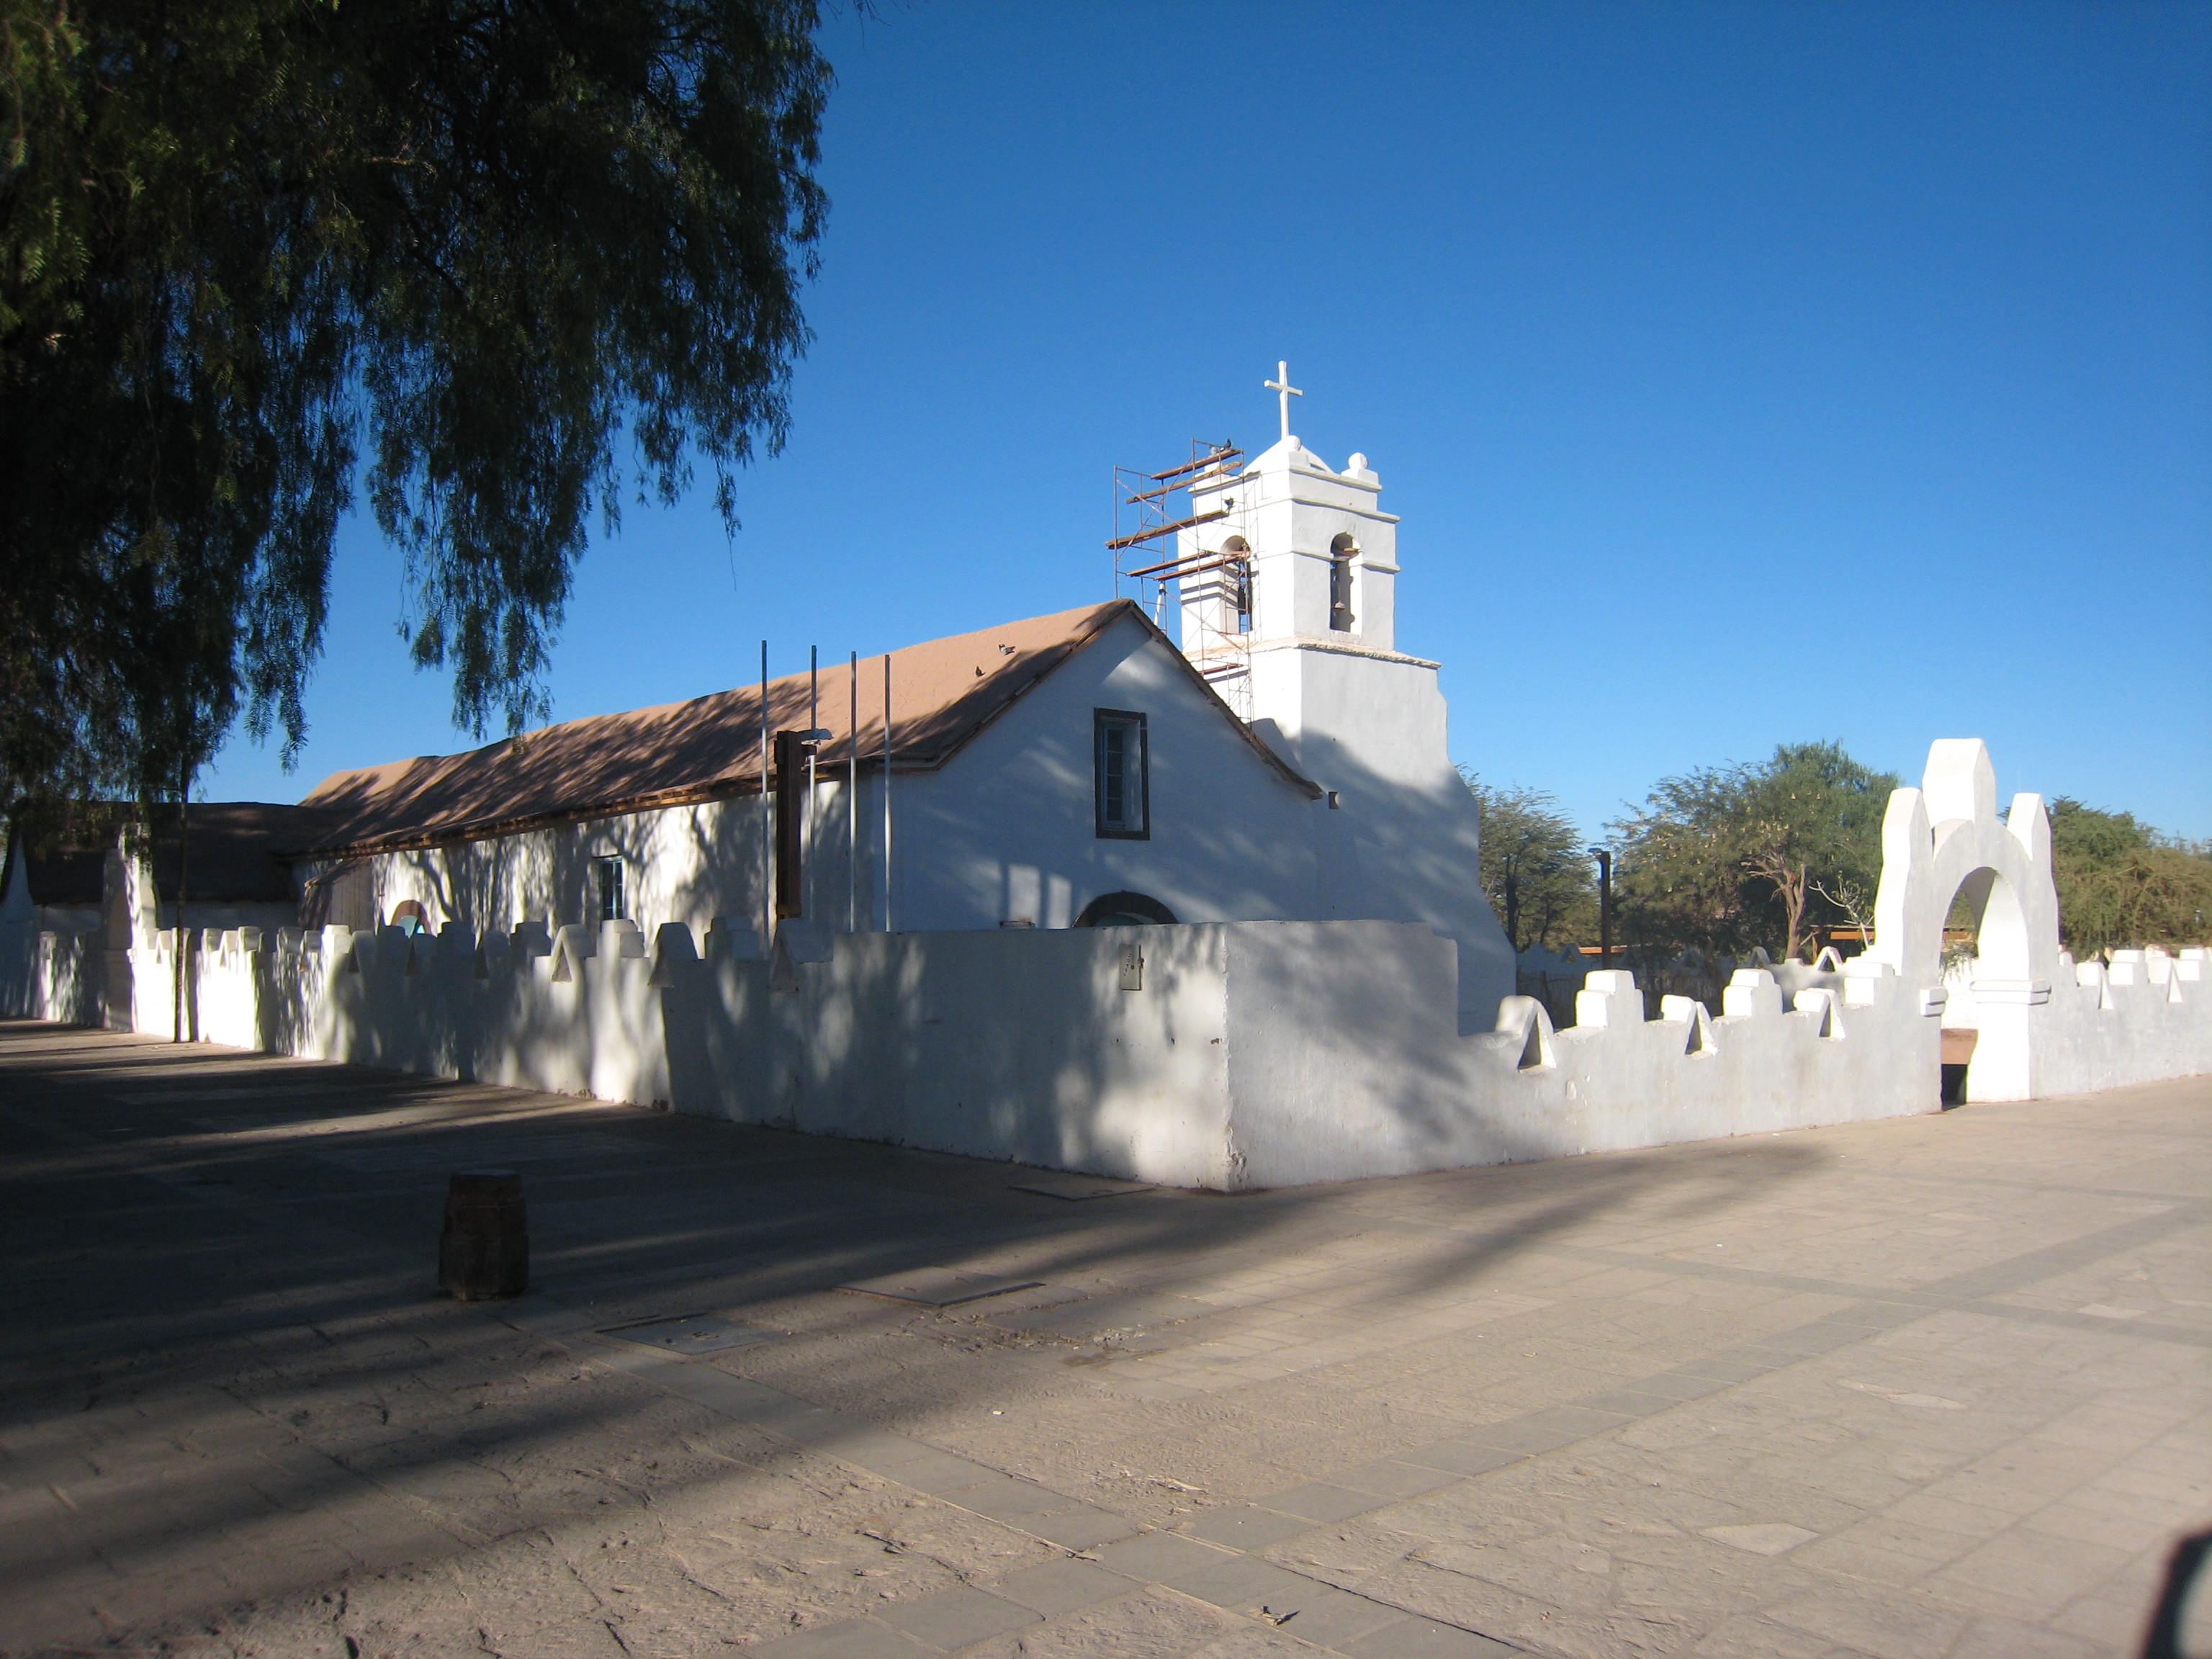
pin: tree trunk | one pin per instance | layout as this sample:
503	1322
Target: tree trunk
1792	886
183	813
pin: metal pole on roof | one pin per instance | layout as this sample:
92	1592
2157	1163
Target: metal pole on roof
853	800
887	792
813	749
767	826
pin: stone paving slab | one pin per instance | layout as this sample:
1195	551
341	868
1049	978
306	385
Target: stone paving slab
1932	1385
1062	1586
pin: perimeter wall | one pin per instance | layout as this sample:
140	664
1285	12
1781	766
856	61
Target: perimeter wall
1223	1055
1226	1055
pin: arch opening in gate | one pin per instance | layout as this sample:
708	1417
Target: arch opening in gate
1984	938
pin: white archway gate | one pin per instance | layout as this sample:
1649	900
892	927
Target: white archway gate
1945	839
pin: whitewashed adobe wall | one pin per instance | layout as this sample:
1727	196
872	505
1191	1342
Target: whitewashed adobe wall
1227	1055
1224	1055
57	977
1014	1045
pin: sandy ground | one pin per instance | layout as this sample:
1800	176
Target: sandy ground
1927	1387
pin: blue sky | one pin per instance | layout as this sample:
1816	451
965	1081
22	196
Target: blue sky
1742	374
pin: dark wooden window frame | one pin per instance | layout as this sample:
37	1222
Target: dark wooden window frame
611	899
1125	719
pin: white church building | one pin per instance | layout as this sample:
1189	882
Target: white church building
1286	762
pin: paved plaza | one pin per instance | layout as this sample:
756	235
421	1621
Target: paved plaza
1926	1387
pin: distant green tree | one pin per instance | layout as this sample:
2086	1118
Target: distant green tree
1676	885
486	247
1724	859
1535	869
2122	885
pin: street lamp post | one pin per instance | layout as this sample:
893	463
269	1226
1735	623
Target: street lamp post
1604	905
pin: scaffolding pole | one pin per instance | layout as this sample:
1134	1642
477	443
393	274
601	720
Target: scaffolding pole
1216	632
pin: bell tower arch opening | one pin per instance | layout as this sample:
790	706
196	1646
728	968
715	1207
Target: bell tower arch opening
1343	562
1236	554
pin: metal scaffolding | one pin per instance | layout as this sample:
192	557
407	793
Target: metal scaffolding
1152	512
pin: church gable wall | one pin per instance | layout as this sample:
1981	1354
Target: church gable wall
1007	830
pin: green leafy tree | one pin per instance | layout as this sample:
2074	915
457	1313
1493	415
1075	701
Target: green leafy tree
1810	827
1724	859
2122	885
518	263
1536	868
1675	886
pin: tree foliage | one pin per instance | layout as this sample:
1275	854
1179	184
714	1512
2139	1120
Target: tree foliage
520	259
1724	858
2121	885
1535	868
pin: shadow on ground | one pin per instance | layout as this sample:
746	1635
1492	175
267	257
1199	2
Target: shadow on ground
220	1323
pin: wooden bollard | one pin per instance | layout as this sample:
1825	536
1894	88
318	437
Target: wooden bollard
484	1251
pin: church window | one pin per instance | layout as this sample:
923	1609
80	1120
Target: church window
1122	768
614	899
409	916
1341	554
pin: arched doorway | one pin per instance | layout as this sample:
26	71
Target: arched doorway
1967	912
1983	961
1125	910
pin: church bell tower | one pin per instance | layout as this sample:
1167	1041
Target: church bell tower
1291	611
1288	572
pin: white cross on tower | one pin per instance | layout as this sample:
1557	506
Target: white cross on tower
1284	392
